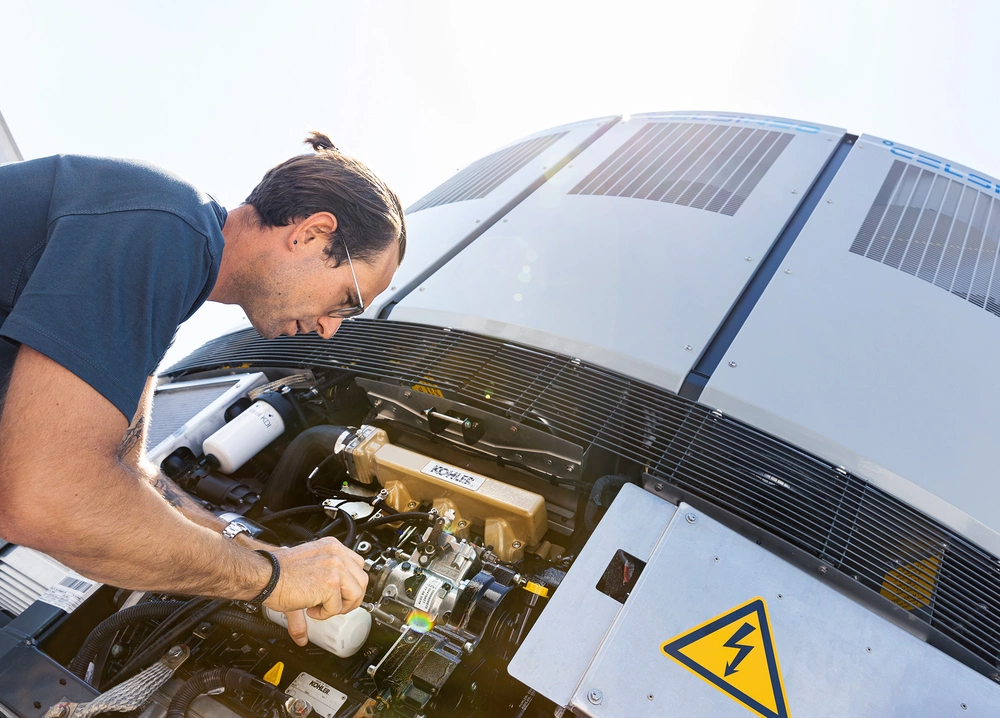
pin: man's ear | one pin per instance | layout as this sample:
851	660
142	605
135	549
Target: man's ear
317	226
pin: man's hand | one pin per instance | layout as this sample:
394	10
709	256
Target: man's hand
324	577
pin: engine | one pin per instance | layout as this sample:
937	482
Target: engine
461	551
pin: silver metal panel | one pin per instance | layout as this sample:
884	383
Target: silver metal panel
562	642
877	365
824	641
8	148
434	232
632	254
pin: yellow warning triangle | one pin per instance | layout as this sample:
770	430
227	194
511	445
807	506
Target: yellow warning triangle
735	653
273	676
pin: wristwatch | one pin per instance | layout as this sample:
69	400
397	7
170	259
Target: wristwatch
234	528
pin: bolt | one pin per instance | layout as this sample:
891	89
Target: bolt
261	651
822	569
732	364
371	671
463	524
411	505
595	697
116	650
176	651
687	347
690	518
405	566
406	395
235	636
657	487
516	545
468	648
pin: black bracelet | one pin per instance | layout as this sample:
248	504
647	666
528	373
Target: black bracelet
275	574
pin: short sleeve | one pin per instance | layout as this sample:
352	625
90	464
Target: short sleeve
107	295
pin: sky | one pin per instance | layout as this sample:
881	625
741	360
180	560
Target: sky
219	92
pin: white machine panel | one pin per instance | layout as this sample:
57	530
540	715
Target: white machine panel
632	254
873	345
441	221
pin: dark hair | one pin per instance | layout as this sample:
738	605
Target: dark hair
369	214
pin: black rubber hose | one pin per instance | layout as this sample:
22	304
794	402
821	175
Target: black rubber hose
286	486
405	517
352	528
290	513
155	651
112	624
230	679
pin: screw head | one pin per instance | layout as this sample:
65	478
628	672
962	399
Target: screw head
406	394
595	697
822	569
691	518
788	271
732	364
748	259
371	671
516	545
175	652
829	201
687	347
795	191
411	505
657	487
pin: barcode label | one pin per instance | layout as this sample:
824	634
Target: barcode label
69	593
453	475
76	584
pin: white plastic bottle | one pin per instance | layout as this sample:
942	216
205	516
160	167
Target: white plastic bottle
341	635
242	438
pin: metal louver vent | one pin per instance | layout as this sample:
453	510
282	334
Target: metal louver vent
943	231
485	175
710	167
885	546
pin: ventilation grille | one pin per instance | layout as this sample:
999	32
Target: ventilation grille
872	537
710	167
172	408
485	175
940	230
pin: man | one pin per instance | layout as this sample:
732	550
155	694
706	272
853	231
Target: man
102	259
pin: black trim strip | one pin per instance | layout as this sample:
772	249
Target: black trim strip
494	218
708	362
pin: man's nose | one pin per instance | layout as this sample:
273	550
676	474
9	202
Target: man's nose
326	327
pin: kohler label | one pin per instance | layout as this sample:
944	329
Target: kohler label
453	475
325	699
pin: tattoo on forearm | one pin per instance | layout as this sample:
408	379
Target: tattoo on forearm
170	491
132	438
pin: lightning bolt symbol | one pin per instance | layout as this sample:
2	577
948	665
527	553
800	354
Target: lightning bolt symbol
745	630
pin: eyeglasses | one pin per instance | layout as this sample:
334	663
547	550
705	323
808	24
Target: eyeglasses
348	312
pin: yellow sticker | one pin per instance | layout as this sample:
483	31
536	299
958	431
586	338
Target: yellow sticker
735	653
911	586
432	390
273	676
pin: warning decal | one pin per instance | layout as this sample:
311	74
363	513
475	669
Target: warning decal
735	653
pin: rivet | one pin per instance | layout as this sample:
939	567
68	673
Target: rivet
829	201
687	347
748	259
829	139
477	221
788	271
780	597
690	518
868	649
421	289
392	289
732	364
505	220
649	696
795	191
861	147
716	559
595	697
964	707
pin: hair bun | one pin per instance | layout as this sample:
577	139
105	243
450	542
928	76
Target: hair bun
320	142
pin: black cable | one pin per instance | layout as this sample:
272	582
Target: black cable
172	620
112	624
156	650
231	679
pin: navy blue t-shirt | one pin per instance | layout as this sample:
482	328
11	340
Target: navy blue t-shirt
100	260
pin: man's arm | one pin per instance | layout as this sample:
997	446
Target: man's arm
64	491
